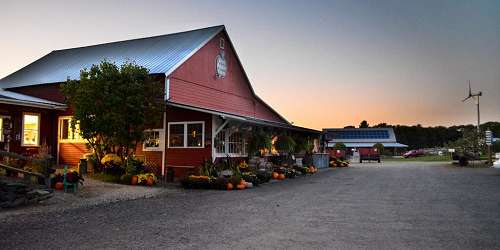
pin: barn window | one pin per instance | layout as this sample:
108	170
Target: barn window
220	142
236	144
1	129
221	43
153	140
31	130
67	133
230	143
186	134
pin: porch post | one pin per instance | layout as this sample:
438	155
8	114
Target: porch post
165	136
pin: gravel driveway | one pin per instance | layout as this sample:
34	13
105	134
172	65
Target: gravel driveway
370	206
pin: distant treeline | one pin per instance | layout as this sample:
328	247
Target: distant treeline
417	136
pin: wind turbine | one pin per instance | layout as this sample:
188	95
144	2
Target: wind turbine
475	96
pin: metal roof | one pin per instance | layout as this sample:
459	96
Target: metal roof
248	119
10	97
159	54
369	145
360	135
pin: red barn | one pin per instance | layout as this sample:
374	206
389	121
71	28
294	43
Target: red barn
210	102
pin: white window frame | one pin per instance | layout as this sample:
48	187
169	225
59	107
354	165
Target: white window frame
244	145
2	139
185	133
78	138
38	134
222	43
161	135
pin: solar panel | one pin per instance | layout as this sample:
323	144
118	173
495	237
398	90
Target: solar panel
361	134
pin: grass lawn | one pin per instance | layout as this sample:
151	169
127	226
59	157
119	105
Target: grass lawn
421	158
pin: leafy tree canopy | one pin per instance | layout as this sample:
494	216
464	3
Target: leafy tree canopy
113	105
364	124
339	146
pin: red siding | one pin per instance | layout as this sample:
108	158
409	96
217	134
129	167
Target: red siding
70	153
48	127
195	83
188	156
49	92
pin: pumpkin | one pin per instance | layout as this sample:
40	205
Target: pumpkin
241	186
150	181
59	186
275	175
134	180
281	176
230	186
243	182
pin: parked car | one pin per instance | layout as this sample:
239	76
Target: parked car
413	153
370	154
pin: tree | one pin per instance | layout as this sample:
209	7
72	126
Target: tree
379	146
339	146
113	105
495	147
350	126
285	144
468	144
364	124
260	142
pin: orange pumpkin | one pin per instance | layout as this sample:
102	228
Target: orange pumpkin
243	182
275	175
281	176
230	186
59	186
134	180
241	186
150	181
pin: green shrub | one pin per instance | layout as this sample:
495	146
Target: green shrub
126	179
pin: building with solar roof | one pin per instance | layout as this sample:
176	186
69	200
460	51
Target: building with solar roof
355	138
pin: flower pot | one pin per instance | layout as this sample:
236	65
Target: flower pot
134	180
150	181
59	186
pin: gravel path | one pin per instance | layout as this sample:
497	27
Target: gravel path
92	193
370	206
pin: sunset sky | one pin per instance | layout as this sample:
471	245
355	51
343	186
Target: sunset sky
319	63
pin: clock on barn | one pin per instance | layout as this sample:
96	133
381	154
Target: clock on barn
220	65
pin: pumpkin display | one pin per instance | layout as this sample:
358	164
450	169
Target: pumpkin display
230	186
59	186
275	175
134	180
241	186
150	181
281	176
